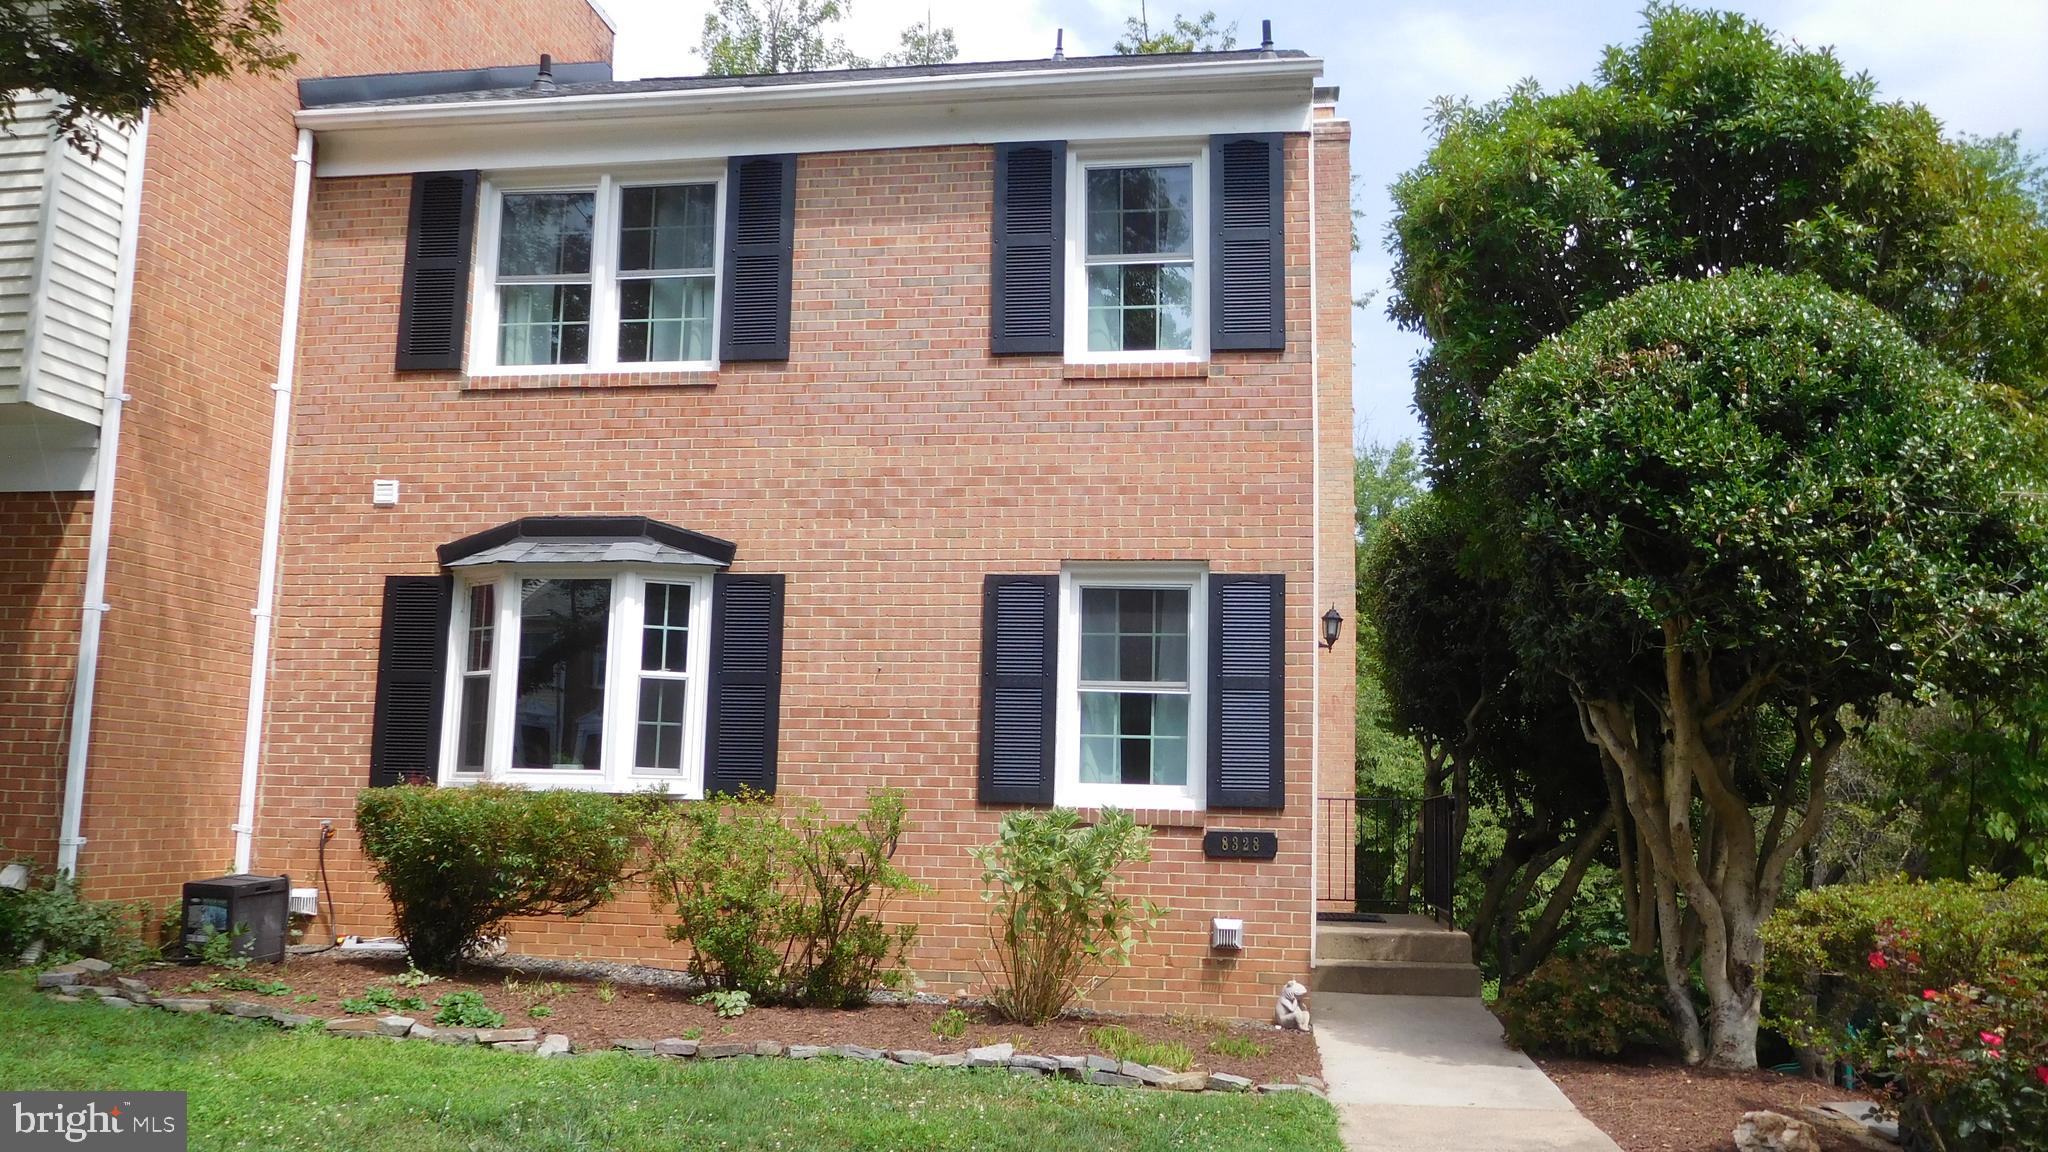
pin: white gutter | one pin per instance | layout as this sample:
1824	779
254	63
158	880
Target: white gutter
273	501
1175	78
1315	519
100	539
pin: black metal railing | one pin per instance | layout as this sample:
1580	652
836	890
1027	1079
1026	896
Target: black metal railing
1399	857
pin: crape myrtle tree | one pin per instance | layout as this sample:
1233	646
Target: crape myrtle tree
1746	502
1707	145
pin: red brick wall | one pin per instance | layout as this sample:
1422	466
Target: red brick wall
174	674
886	468
42	582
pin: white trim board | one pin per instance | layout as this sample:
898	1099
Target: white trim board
545	137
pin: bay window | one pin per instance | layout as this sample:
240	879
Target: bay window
604	274
579	676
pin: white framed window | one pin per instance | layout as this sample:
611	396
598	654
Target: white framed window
1137	261
579	676
1133	700
598	273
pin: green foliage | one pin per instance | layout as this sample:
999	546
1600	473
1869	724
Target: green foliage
1178	35
1384	479
950	1024
1597	1003
1970	1066
540	1012
728	1003
923	44
765	37
118	58
1124	1044
466	1009
1947	933
1973	774
458	862
780	901
1743	467
1538	208
70	927
412	977
605	992
380	998
1940	988
1059	925
218	949
1236	1047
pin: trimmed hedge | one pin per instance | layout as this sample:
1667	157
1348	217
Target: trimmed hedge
459	862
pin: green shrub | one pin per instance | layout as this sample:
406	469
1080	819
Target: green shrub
1058	925
1124	1044
950	1025
780	902
466	1009
728	1003
71	927
1941	988
1597	1003
458	862
380	998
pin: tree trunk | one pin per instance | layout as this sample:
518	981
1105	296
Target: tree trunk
1543	937
1730	876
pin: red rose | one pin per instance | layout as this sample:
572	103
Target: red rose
1991	1039
2042	1073
1877	961
1930	994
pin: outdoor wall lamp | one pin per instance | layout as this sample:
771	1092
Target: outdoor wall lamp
1333	623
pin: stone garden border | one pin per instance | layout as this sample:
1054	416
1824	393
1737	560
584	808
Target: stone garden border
83	979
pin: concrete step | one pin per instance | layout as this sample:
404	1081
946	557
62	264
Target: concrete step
1395	978
1431	945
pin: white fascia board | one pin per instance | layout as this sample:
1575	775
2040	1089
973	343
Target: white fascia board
1174	100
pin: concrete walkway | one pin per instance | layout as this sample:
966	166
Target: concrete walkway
1422	1073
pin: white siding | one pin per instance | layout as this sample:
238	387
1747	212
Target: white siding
60	241
24	145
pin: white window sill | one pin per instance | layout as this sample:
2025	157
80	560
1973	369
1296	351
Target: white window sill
1129	797
572	780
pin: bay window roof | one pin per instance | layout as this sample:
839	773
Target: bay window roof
587	540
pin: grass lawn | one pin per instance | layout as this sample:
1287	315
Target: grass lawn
253	1086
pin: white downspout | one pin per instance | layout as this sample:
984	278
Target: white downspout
1315	423
100	539
273	501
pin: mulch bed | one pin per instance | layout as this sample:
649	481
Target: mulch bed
1664	1106
639	1012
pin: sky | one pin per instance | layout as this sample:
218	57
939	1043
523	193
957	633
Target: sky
1977	64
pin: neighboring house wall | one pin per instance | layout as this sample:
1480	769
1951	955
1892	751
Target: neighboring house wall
886	468
174	672
42	575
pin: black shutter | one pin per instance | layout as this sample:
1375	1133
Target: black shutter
1247	210
435	300
746	683
1019	684
1028	300
1247	652
405	737
760	237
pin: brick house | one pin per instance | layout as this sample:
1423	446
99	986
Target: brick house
979	430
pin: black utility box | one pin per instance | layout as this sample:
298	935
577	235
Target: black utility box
253	904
